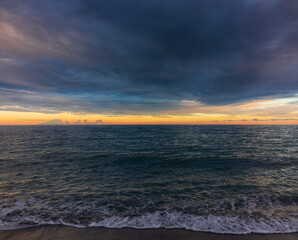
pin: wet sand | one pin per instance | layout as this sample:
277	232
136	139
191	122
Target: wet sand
70	233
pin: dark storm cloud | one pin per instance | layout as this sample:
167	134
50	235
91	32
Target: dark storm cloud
213	51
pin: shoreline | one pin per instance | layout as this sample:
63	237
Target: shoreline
60	232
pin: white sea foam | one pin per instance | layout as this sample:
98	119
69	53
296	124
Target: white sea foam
242	216
210	223
165	219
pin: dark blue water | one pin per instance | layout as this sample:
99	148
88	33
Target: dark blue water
227	179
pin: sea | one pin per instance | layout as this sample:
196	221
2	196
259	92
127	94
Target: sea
219	179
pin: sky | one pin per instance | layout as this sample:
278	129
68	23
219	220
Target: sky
148	62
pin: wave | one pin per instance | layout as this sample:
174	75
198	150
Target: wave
258	214
170	220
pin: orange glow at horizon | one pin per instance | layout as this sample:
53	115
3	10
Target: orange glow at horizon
260	112
28	118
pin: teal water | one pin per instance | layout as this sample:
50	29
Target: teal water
224	179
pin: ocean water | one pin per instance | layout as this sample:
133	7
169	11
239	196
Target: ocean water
222	179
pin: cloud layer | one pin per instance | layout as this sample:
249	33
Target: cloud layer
132	56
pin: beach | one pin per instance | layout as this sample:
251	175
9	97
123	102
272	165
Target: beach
71	233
